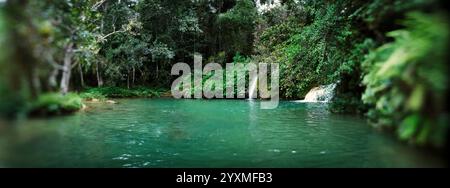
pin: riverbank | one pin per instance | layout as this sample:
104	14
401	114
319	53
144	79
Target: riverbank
103	93
56	104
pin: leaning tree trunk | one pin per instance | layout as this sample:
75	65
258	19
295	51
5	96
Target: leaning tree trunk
52	79
36	82
99	76
81	75
97	63
67	69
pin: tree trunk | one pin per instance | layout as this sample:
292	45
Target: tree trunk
67	69
128	79
134	76
81	75
157	71
97	64
52	79
36	81
99	76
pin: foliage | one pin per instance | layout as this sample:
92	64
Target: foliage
309	46
92	94
322	42
347	96
14	88
102	93
9	102
406	80
55	103
238	58
107	46
237	27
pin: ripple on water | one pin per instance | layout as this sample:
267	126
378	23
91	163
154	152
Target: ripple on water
201	133
123	157
274	150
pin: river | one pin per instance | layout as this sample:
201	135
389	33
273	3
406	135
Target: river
203	133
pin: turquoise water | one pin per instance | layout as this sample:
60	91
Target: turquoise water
201	133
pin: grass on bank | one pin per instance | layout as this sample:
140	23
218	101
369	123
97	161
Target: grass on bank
51	104
56	104
103	93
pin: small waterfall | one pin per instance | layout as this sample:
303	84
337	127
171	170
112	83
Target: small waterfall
252	88
320	94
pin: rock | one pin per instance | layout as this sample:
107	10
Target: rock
111	102
166	95
95	100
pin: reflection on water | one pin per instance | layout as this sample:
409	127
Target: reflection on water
201	133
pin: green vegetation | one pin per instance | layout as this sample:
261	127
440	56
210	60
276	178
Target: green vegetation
238	58
103	93
402	85
56	104
406	80
322	42
387	57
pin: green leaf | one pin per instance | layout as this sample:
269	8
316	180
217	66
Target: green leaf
416	99
409	127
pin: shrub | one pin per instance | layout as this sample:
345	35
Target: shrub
117	92
55	103
406	81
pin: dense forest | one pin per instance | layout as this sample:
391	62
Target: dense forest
387	57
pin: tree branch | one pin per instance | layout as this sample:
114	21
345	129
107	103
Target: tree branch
98	4
112	33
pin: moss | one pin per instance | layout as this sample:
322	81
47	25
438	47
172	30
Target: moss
55	104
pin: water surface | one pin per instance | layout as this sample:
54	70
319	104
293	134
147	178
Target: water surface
201	133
